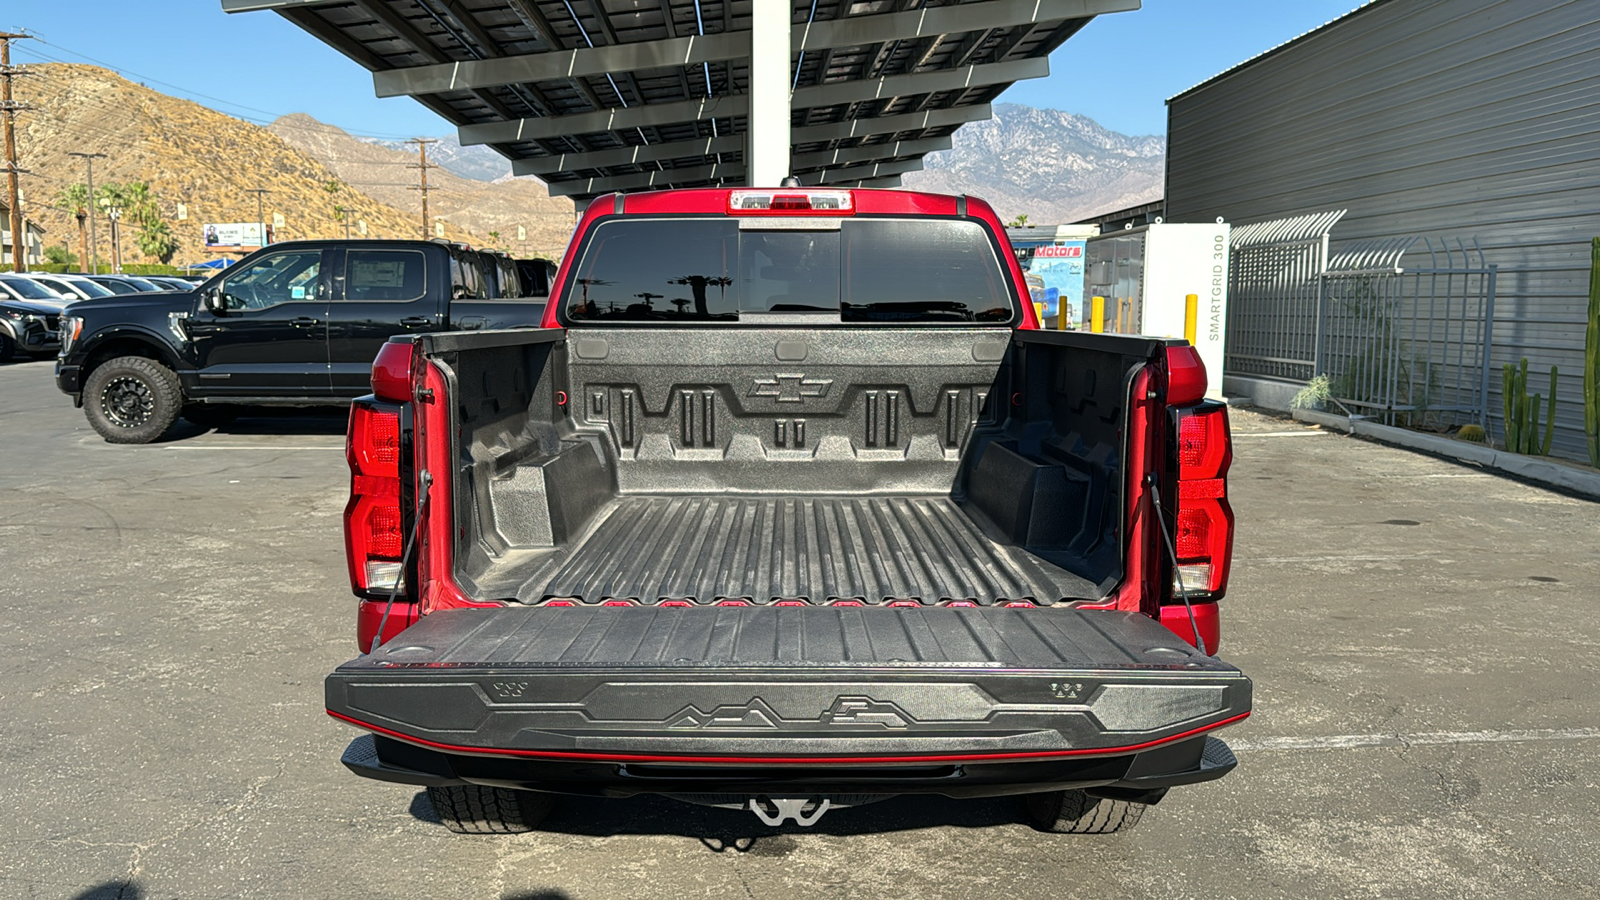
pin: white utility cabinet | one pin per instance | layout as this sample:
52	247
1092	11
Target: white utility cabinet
1145	275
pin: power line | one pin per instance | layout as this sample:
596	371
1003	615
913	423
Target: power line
272	116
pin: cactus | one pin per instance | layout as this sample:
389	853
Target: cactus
1522	412
1591	359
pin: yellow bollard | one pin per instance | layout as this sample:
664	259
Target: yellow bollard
1061	314
1038	313
1191	317
1097	315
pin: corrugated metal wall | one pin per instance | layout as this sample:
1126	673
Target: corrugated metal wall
1426	117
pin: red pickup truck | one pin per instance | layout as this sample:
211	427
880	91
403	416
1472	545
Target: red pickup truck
789	506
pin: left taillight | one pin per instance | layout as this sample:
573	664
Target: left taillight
374	519
1201	516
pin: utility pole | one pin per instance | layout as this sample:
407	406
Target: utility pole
261	221
11	108
423	166
94	246
114	213
83	236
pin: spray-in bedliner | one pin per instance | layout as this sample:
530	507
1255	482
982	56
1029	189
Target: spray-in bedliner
819	549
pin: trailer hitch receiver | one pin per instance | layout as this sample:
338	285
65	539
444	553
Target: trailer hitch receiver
774	810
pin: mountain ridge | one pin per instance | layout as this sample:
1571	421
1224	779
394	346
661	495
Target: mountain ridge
1053	166
484	208
189	154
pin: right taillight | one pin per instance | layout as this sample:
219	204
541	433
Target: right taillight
1202	518
374	519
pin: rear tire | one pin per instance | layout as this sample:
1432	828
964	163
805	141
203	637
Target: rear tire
8	347
1075	812
131	399
475	809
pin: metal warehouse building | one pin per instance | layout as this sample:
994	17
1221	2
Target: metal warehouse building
1460	118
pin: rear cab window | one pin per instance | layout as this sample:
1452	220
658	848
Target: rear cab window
508	283
721	269
468	281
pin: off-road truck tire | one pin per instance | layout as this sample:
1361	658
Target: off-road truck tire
132	400
1074	812
475	809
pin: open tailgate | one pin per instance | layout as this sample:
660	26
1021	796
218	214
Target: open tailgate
765	684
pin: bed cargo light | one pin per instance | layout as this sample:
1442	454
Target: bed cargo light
391	371
791	201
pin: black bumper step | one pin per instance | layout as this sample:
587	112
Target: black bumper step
800	684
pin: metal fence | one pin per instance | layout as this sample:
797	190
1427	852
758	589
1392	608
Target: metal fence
1399	335
1408	344
1274	270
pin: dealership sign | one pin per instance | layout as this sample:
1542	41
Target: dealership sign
1071	250
236	236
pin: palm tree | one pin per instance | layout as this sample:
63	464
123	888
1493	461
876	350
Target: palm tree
154	237
75	199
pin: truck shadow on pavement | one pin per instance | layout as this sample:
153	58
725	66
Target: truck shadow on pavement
121	889
726	830
266	420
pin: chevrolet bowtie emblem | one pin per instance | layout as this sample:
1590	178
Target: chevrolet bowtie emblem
786	388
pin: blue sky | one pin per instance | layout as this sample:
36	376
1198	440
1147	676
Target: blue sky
257	66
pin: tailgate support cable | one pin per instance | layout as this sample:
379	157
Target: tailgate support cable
424	482
1172	551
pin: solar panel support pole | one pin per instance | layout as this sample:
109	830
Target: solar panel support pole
767	153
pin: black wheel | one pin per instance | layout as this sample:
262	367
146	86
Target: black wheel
131	400
1074	812
474	809
209	415
8	347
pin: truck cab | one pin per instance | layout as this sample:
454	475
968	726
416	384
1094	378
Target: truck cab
296	323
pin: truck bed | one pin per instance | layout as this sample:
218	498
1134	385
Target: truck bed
822	549
813	682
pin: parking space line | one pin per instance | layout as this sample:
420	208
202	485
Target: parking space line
1255	434
1436	475
1419	739
1331	557
243	447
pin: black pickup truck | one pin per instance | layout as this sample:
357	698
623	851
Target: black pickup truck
294	324
790	506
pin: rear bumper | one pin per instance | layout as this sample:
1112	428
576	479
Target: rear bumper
778	687
1139	775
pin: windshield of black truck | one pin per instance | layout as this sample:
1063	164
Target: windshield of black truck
687	271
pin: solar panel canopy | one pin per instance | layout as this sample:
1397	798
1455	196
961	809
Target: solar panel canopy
596	96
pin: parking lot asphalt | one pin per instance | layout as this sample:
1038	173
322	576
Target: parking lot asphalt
1423	638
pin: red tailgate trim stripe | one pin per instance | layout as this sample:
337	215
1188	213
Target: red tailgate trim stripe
782	760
